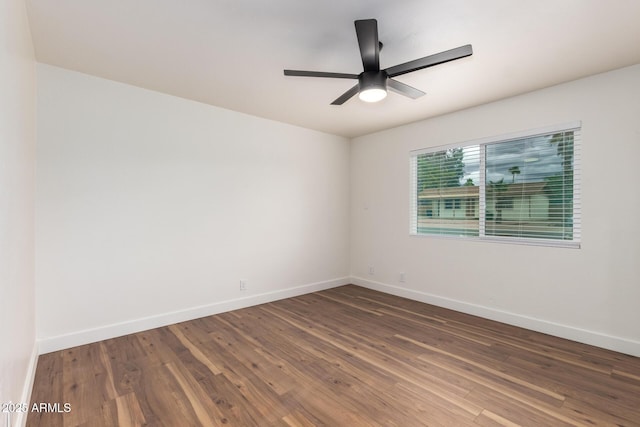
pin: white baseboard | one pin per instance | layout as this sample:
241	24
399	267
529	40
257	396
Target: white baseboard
21	417
597	339
60	342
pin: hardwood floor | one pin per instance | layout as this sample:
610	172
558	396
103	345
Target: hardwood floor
343	357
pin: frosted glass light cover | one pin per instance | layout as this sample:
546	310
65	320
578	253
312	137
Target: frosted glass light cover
372	95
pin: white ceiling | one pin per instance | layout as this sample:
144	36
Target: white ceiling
231	53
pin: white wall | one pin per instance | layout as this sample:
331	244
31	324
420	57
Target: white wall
17	157
590	294
151	208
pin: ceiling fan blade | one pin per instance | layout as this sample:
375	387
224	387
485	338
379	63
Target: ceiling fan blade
404	89
367	32
346	96
431	60
319	74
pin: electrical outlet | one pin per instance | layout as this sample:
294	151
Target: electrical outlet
243	285
372	270
402	278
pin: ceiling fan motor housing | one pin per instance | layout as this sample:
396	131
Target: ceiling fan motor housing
373	80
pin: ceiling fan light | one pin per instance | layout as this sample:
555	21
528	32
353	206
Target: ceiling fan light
372	94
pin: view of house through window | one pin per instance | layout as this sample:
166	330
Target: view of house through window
517	188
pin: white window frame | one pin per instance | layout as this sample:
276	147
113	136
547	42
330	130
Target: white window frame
574	126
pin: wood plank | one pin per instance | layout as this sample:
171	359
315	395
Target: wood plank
129	411
493	372
47	387
195	351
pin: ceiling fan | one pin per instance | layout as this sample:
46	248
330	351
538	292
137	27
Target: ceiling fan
373	82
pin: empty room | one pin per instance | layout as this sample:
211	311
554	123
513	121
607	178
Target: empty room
339	213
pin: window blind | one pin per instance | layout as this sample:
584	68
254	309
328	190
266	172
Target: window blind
522	188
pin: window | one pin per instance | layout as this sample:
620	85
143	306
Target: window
452	203
521	188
